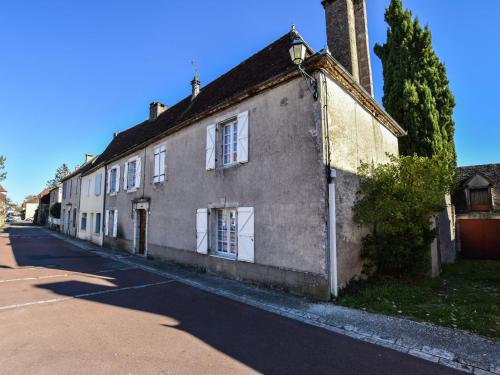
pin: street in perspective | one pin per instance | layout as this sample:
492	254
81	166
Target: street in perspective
280	187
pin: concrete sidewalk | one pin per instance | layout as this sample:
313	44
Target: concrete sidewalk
450	347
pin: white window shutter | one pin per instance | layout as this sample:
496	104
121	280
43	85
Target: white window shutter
162	167
202	231
210	161
156	173
125	173
118	179
108	182
243	137
106	222
115	223
138	173
246	234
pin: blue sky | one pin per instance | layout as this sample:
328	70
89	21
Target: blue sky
72	73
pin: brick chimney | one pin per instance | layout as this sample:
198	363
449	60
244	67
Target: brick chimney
155	110
195	86
347	37
88	157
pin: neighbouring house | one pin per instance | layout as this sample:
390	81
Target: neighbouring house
477	207
92	204
30	206
254	175
42	213
55	194
3	205
70	197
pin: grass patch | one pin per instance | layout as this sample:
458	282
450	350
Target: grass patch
465	296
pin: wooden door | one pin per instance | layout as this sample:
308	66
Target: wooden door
142	231
480	239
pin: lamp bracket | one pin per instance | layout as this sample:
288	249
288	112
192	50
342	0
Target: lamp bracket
312	83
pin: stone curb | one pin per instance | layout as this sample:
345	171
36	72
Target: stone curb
425	352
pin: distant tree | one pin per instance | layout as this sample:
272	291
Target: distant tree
3	173
416	87
61	172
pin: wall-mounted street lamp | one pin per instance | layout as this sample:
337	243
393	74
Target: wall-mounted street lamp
298	55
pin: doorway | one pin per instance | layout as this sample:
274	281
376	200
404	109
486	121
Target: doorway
141	222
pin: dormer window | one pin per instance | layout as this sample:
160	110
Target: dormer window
479	200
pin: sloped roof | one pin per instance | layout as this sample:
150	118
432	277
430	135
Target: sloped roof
259	68
490	171
84	168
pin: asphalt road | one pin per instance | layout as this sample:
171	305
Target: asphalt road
67	311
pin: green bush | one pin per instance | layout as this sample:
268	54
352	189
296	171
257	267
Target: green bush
397	201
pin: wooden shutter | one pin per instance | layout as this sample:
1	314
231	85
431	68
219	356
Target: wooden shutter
106	222
118	178
97	187
125	176
156	173
246	234
162	169
210	161
202	231
138	172
243	137
115	222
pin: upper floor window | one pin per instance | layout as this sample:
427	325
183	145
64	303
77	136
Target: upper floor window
114	179
479	200
132	176
97	186
159	164
227	142
83	221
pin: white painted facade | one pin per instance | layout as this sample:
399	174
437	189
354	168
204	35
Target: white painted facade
30	209
92	193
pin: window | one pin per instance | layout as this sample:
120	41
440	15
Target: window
97	187
230	143
111	223
74	217
83	222
97	223
70	187
227	232
132	174
88	187
131	169
113	179
64	188
479	200
159	164
227	142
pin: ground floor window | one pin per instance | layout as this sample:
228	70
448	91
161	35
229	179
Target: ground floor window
74	217
83	222
227	232
97	223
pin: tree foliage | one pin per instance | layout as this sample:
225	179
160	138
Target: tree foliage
416	87
3	173
61	172
55	210
397	200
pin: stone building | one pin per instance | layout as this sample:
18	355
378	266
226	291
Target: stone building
92	204
477	207
254	175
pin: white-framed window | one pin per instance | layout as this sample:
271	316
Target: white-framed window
111	223
113	180
227	232
132	174
159	164
83	221
227	142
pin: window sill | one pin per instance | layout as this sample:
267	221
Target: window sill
223	256
133	190
112	194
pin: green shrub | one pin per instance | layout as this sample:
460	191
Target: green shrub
55	210
398	200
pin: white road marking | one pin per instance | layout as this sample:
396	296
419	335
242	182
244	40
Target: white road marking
68	274
83	295
34	278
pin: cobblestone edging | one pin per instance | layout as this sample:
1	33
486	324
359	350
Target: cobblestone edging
287	306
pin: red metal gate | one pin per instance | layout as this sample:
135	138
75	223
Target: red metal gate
480	238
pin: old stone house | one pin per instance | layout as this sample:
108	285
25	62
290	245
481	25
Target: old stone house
91	204
254	175
3	205
55	197
70	198
477	207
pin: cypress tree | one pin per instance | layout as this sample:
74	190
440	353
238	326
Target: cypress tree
416	87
